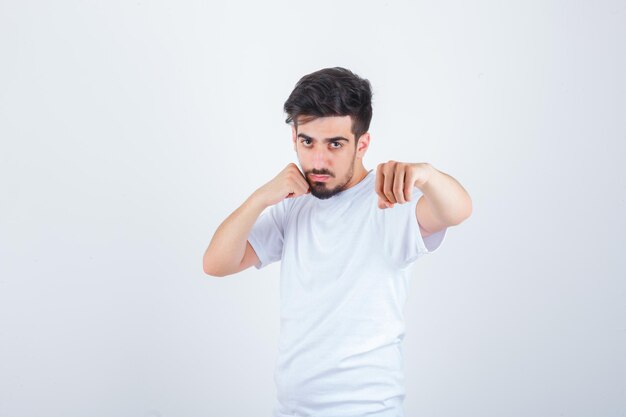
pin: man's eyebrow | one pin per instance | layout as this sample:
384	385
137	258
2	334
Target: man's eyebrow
336	138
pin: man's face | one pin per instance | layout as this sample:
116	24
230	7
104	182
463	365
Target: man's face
325	146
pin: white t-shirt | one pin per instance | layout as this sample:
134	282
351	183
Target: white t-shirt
343	283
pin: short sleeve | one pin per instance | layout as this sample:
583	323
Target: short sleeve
403	241
267	235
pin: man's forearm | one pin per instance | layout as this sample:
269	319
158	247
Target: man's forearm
446	197
228	245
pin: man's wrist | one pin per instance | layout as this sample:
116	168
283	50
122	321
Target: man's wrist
257	201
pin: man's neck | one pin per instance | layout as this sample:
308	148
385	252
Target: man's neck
359	174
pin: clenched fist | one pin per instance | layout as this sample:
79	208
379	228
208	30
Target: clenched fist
395	181
289	183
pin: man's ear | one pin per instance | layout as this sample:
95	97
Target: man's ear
293	137
363	144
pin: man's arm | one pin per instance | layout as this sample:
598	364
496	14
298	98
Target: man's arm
444	203
229	251
229	248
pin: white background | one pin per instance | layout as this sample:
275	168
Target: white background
130	130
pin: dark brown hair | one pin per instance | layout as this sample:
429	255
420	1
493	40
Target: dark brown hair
331	92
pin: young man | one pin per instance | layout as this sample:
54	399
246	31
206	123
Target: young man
345	236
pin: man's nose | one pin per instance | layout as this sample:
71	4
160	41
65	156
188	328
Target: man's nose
319	159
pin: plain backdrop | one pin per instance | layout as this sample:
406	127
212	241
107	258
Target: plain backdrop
130	130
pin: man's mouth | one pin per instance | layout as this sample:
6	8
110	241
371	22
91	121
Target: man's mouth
319	177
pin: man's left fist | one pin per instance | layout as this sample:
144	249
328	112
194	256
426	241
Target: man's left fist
395	181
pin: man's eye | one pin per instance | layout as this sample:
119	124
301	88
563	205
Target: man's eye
306	142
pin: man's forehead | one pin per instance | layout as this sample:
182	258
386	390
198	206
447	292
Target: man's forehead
326	126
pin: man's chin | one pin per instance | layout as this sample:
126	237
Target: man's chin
323	194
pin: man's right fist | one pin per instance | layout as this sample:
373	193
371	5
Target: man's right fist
289	183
